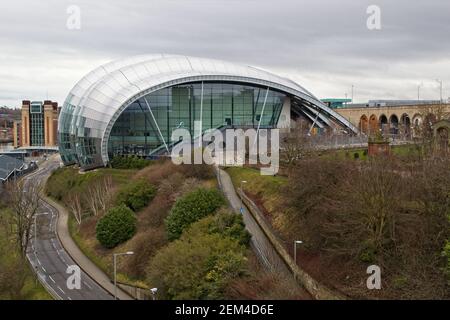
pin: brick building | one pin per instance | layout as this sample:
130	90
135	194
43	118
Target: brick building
38	126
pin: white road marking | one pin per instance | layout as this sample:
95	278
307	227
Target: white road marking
44	269
38	261
85	283
60	289
50	277
69	298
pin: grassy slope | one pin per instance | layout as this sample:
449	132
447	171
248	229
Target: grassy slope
265	188
85	239
403	150
70	179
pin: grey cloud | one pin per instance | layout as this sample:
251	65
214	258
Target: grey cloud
324	43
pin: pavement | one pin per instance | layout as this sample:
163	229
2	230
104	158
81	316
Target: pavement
52	251
259	241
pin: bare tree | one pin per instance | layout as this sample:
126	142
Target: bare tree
295	145
74	204
24	199
99	195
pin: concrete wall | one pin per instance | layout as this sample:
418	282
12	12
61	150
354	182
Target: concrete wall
316	289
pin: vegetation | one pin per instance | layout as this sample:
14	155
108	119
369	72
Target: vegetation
136	194
169	182
191	208
66	181
117	226
132	162
23	199
209	254
392	212
17	280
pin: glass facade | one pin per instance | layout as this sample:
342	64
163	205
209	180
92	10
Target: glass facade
101	115
36	124
224	104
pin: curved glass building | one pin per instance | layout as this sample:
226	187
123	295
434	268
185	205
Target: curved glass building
131	106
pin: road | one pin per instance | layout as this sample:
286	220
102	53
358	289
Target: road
49	258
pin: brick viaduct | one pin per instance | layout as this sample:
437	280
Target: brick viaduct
400	119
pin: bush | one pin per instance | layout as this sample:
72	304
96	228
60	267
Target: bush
446	254
136	195
117	226
133	162
191	208
225	223
198	266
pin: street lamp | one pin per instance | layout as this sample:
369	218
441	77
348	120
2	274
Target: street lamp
242	194
440	82
153	292
418	91
296	242
115	255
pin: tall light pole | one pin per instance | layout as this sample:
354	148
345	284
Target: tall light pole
353	88
296	242
115	255
418	91
242	194
153	291
440	82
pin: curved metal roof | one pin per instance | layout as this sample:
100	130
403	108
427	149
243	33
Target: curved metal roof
97	99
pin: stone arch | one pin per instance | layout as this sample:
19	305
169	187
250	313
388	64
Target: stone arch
373	124
405	125
417	121
384	124
393	124
364	124
442	135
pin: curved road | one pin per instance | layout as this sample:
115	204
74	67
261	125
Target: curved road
47	256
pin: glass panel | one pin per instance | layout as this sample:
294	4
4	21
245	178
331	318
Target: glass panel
232	104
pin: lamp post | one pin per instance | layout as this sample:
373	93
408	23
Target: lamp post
153	292
115	255
242	194
296	242
353	89
440	82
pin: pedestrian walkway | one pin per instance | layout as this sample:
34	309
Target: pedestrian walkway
263	248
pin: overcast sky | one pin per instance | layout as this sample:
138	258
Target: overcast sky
324	45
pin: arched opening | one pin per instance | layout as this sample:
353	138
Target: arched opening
373	124
393	121
427	125
442	140
405	125
384	125
364	124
